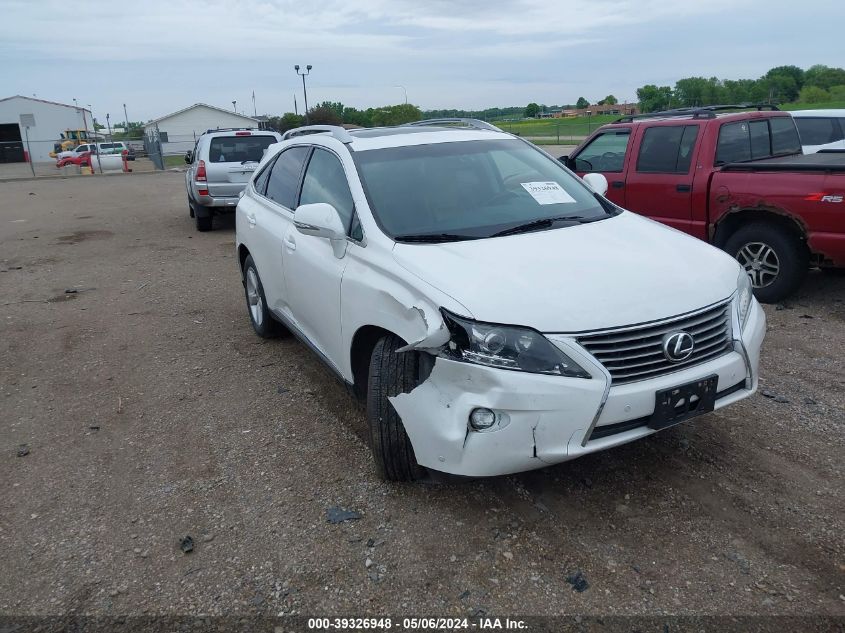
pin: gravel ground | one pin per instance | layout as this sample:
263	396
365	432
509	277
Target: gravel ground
140	408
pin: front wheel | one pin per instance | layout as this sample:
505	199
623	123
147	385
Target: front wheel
390	374
259	315
775	259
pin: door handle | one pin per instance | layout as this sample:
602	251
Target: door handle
290	242
617	184
683	188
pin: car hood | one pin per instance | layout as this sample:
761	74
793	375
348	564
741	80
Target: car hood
615	272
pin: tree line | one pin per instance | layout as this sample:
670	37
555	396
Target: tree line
782	84
335	113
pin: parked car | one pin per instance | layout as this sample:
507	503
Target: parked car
116	147
221	164
735	179
820	129
496	313
82	159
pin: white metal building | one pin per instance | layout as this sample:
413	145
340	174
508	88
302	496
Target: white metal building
50	120
178	131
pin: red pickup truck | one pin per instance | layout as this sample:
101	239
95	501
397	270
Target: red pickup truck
735	179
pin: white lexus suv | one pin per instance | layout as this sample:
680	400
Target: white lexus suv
495	312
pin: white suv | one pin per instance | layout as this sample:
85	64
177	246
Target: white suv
496	313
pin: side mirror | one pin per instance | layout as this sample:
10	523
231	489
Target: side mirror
321	220
569	163
597	182
189	157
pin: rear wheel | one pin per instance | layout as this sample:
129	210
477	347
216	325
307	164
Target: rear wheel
203	223
775	259
259	315
390	374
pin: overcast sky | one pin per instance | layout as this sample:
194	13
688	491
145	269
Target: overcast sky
159	56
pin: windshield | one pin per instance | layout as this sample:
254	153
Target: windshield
238	149
471	189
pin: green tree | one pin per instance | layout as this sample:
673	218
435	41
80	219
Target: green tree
581	103
837	93
813	94
286	122
824	76
653	98
531	110
610	100
324	115
395	114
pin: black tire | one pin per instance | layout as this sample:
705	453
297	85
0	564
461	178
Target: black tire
190	208
390	374
789	252
265	325
203	223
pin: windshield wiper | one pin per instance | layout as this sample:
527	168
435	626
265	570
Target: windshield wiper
434	237
537	224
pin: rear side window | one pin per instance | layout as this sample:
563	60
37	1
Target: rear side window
818	131
260	183
746	140
238	149
667	149
284	176
606	152
325	181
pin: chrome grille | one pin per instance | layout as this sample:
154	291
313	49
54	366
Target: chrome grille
636	353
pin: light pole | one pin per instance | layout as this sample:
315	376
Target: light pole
403	90
304	92
108	125
235	106
125	120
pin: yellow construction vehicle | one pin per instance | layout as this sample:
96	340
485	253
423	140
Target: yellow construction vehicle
70	139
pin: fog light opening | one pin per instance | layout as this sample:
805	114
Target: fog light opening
482	419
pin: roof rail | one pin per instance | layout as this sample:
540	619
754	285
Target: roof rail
698	112
228	129
476	124
335	130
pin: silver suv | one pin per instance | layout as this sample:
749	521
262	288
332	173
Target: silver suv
221	165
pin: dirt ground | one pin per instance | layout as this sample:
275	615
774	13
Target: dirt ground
141	408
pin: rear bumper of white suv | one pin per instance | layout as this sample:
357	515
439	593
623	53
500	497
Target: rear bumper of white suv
546	419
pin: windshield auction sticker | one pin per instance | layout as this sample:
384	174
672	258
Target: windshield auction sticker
547	192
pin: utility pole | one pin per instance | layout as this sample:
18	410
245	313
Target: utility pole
235	106
126	119
295	109
108	125
304	91
403	90
254	110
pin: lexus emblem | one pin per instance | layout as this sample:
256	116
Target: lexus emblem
678	346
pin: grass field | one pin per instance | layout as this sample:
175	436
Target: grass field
829	105
561	129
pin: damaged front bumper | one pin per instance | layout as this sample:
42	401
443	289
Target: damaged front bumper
550	419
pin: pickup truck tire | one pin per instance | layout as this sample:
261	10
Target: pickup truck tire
256	303
776	259
390	374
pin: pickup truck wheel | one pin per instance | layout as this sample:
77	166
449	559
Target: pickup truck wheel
776	260
259	315
390	374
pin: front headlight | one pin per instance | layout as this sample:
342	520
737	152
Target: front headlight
507	347
744	297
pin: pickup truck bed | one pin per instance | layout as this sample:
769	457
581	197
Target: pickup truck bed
821	162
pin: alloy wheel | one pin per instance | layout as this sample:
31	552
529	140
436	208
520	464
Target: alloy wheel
760	262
